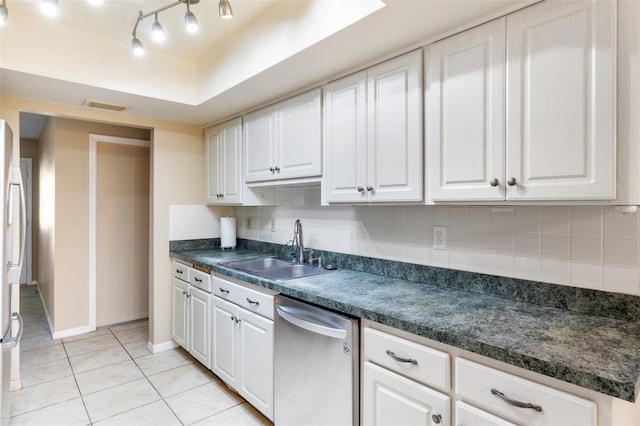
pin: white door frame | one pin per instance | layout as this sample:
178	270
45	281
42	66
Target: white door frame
93	196
28	190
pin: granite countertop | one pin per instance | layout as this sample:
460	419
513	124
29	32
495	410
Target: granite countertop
597	353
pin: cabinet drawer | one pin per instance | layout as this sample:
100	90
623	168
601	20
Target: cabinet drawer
248	298
410	359
467	415
180	271
201	280
480	385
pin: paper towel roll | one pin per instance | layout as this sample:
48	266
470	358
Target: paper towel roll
227	232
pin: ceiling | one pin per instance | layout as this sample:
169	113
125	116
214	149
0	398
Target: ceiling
271	48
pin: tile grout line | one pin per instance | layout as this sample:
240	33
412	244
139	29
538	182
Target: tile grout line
75	379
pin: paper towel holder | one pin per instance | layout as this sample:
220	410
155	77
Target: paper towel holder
227	242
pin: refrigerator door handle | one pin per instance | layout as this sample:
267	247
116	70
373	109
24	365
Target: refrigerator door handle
296	317
10	342
15	270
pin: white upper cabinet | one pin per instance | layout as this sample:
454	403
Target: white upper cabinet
533	122
465	114
284	141
223	163
561	105
345	139
373	134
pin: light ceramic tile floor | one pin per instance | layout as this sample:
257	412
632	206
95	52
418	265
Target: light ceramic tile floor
108	377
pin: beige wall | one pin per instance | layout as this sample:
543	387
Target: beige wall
46	218
122	233
29	149
177	177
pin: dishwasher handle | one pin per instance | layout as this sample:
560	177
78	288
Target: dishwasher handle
298	318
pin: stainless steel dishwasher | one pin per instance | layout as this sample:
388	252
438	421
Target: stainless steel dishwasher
316	366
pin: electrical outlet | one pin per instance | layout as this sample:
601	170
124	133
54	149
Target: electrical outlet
440	237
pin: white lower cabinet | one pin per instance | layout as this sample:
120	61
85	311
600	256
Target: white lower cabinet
391	399
520	400
468	415
191	312
243	345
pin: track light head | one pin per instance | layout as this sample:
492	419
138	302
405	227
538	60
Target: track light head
190	22
157	32
224	9
137	47
4	14
49	7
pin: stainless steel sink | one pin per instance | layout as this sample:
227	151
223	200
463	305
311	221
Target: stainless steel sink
253	265
290	272
276	269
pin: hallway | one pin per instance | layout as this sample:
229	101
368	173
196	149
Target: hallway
108	377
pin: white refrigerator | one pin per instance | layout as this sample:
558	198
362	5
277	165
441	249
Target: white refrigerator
12	188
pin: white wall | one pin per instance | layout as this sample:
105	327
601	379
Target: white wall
579	246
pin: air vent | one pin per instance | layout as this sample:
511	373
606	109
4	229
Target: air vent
104	105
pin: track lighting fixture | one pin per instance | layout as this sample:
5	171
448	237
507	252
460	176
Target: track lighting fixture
49	7
4	13
158	33
224	9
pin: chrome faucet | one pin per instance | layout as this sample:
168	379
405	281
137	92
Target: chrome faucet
298	241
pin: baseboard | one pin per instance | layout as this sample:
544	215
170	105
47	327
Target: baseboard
161	347
46	312
71	332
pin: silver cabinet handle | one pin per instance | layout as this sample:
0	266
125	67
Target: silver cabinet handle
436	418
514	402
494	182
253	302
512	181
370	188
400	359
360	189
222	290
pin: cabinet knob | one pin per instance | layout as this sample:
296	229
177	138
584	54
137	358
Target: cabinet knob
272	169
494	182
184	292
233	317
360	189
512	181
436	418
370	188
277	169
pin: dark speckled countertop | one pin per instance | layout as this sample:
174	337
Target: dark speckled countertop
595	352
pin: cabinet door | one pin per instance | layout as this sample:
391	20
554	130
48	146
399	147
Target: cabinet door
465	115
179	314
391	399
230	163
561	101
200	326
212	165
395	114
259	145
299	137
468	415
224	353
345	139
256	361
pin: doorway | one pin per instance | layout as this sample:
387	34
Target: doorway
26	170
119	222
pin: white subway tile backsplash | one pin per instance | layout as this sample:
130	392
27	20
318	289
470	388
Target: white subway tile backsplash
587	275
555	245
586	247
621	250
577	246
527	219
555	271
586	220
621	279
621	226
555	219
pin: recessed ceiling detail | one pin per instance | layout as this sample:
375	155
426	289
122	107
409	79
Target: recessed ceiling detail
104	105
